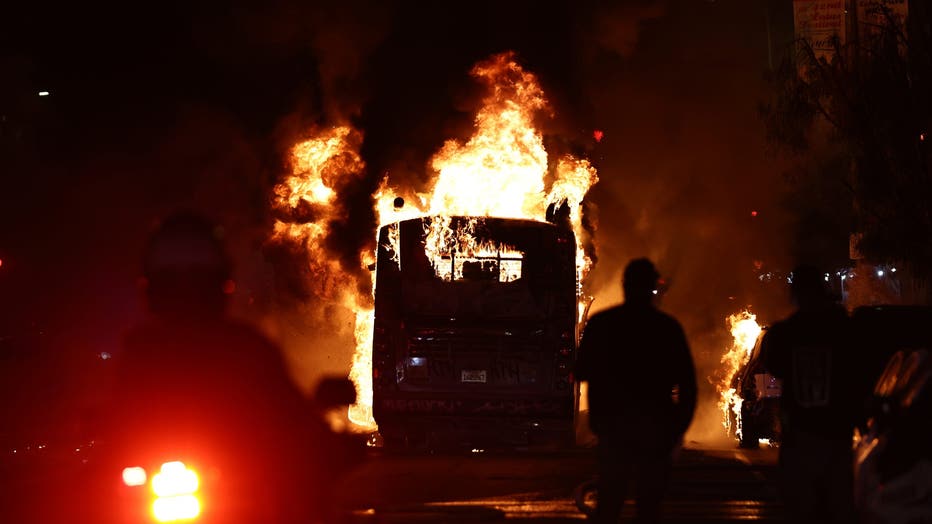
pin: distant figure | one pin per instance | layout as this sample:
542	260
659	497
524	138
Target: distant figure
811	352
642	395
194	385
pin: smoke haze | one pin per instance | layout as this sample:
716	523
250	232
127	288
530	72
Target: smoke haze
674	87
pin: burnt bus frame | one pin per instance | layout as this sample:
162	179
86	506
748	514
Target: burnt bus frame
411	416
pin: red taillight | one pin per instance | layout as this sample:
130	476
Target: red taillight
569	342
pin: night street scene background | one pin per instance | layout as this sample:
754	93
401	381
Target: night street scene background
728	141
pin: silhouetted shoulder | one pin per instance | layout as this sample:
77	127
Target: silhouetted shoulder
775	332
606	315
653	317
248	335
235	332
668	320
211	347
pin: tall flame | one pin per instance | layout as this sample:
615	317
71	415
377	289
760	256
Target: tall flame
308	197
502	170
744	331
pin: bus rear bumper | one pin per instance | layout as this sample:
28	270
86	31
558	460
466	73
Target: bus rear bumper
486	430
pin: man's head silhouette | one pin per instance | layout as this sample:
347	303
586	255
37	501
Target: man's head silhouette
639	281
186	267
808	287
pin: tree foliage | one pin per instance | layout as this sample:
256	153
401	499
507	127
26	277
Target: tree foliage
868	106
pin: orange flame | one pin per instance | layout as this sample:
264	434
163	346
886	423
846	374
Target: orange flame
502	170
320	165
744	331
448	250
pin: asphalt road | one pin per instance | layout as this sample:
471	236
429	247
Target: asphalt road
708	485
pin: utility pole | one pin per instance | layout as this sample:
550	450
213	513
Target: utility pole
769	35
851	22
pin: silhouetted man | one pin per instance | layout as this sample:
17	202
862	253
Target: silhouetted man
820	402
642	394
194	385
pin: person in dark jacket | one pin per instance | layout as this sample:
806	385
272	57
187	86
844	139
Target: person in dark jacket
193	384
642	395
821	400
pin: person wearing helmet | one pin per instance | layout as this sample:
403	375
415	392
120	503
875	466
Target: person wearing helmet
198	386
642	394
820	402
186	270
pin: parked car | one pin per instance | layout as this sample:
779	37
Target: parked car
893	459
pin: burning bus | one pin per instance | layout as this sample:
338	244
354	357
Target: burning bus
474	332
474	316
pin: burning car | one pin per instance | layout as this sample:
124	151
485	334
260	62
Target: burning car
759	399
749	396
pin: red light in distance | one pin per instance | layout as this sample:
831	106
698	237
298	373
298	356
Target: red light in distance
597	135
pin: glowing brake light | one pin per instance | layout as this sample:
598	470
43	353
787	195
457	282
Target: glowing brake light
174	479
174	486
134	476
182	507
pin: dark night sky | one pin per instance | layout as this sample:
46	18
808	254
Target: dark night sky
172	106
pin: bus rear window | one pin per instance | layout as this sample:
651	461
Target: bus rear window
464	250
459	267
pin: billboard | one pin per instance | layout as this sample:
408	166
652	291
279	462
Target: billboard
820	23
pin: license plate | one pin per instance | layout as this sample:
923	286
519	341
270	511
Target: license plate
473	375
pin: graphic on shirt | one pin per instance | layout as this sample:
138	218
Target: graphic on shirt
811	376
